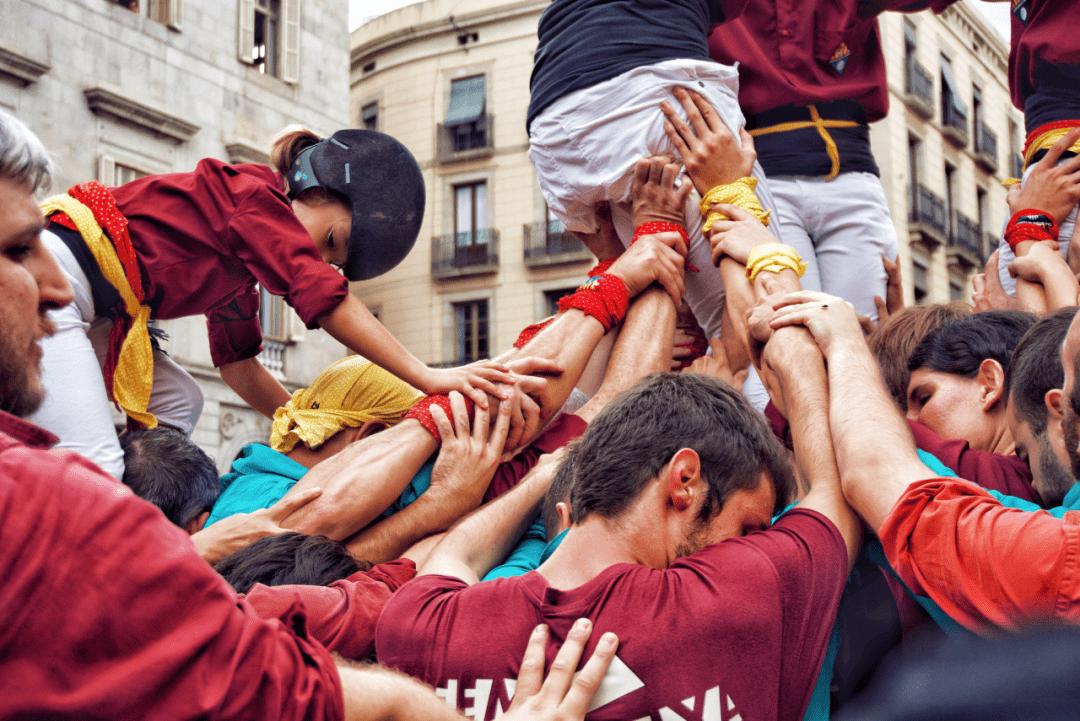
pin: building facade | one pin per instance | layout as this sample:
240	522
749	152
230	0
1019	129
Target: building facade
117	90
451	82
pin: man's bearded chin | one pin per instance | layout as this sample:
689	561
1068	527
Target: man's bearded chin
1072	438
20	392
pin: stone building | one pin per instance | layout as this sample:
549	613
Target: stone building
451	81
121	89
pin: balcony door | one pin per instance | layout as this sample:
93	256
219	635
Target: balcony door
470	223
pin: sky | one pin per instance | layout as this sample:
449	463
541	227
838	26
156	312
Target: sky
997	13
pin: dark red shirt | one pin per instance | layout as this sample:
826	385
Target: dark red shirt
204	240
1044	64
737	629
342	615
107	610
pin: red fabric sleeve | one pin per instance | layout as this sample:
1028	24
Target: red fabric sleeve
780	426
1005	474
564	429
234	329
983	563
108	611
272	244
340	616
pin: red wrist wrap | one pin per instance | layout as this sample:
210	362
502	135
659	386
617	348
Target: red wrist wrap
604	297
421	411
530	332
661	227
1030	224
602	267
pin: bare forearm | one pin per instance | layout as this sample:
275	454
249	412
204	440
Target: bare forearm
875	451
389	538
361	481
252	382
569	341
375	693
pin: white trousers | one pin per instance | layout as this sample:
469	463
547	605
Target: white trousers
841	228
1006	256
584	147
77	406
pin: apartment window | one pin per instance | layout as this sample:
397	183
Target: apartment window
166	12
471	331
274	316
953	110
465	117
1016	158
984	210
914	170
956	288
920	278
909	40
369	116
270	37
950	200
552	298
112	173
976	107
470	214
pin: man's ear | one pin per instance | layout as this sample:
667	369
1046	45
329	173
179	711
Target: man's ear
1055	424
991	380
682	471
563	509
197	523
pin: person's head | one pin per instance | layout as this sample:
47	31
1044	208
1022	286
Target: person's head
350	400
359	194
1070	405
1033	385
31	282
555	509
893	341
165	468
688	449
958	377
289	559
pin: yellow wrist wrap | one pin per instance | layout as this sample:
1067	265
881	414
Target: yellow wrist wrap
740	193
774	258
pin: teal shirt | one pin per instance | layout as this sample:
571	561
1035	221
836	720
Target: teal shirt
529	554
260	476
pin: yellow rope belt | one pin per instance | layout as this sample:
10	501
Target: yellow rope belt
1044	141
134	374
816	121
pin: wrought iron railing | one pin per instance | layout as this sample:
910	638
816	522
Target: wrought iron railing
466	140
986	141
966	234
459	253
919	82
547	241
927	208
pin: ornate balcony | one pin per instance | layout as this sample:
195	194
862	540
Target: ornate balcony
926	217
919	89
953	121
466	141
550	244
459	254
964	250
273	358
986	148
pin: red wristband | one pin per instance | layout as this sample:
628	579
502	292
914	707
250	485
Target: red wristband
604	297
421	411
531	331
602	267
1030	224
657	226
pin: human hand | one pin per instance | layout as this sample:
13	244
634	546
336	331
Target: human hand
989	295
831	320
531	385
660	257
690	342
654	195
1051	188
604	243
894	291
736	237
475	380
562	697
1041	259
709	151
468	458
718	366
240	530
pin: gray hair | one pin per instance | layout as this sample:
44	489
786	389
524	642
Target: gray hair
22	156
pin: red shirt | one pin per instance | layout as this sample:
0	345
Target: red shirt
340	616
739	627
789	52
983	563
1044	60
1005	474
204	240
107	611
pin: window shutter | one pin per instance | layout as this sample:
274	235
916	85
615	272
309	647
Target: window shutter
245	48
107	171
291	41
466	100
174	17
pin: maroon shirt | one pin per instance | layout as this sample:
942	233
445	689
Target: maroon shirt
740	627
1044	63
107	610
342	615
205	238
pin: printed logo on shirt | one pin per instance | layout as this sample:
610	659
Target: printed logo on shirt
486	700
839	58
1020	9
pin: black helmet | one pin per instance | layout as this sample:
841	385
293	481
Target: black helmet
379	179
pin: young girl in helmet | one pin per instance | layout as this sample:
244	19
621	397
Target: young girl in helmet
198	243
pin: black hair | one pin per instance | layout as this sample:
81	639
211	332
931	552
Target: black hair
639	432
1035	368
960	346
287	559
165	468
